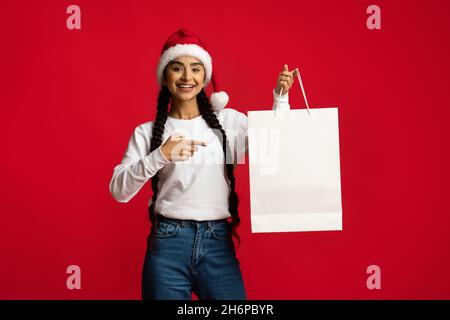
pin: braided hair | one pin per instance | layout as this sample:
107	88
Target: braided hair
211	119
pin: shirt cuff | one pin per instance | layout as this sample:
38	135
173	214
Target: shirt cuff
155	161
284	96
162	154
283	101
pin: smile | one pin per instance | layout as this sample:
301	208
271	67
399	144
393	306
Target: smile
185	87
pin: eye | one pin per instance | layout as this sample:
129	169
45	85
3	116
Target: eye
176	68
196	70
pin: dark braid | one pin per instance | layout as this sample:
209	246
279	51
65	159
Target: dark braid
157	133
211	119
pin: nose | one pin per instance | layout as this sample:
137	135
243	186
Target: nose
187	75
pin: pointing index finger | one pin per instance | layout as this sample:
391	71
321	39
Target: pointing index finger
197	142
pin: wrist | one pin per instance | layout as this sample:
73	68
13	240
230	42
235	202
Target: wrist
164	153
277	92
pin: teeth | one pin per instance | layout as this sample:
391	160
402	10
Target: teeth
184	86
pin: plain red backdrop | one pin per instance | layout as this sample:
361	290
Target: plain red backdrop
72	98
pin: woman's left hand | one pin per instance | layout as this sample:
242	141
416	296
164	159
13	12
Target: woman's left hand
285	79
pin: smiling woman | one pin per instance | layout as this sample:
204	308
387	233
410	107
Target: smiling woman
185	78
190	246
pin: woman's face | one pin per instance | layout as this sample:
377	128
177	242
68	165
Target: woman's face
184	70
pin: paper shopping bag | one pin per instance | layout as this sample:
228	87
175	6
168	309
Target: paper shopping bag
294	170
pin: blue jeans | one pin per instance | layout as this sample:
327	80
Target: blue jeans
185	256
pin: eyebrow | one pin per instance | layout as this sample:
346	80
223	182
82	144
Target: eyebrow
192	64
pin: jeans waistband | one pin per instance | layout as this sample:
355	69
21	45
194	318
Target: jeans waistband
186	223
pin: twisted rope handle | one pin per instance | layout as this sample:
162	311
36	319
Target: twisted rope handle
303	91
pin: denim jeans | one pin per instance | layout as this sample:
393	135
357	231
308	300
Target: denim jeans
185	256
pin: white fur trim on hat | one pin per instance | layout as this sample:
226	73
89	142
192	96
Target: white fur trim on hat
181	50
218	100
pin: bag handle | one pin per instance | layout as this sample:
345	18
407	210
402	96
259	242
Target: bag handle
303	91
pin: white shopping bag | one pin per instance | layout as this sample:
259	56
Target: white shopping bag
294	169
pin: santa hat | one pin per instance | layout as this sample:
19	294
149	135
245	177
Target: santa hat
184	42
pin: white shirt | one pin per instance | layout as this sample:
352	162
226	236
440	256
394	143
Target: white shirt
194	189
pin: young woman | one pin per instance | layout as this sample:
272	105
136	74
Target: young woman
190	247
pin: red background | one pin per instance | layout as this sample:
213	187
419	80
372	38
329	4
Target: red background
72	98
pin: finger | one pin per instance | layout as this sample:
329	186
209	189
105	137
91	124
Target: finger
197	142
286	78
296	72
284	84
285	67
286	73
191	148
181	156
187	153
289	78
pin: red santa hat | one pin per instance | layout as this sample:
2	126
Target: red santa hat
184	42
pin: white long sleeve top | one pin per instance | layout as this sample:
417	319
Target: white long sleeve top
194	189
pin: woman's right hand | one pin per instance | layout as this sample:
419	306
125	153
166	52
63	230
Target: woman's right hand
177	148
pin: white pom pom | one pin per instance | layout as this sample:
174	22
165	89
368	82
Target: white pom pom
218	100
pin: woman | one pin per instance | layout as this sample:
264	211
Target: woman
190	247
